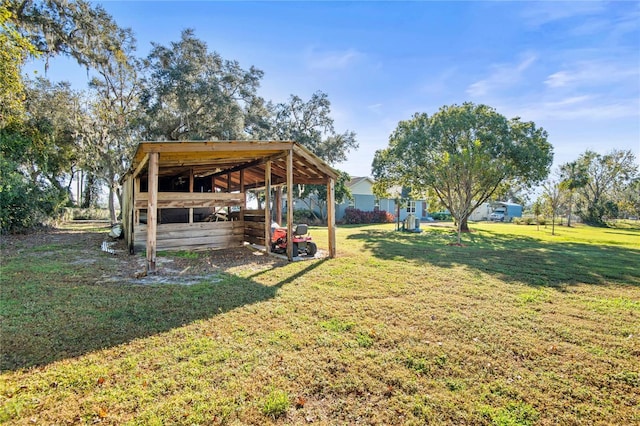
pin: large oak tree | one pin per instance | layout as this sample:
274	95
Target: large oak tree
192	93
607	177
462	155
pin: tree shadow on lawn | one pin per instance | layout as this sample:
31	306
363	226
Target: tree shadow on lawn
511	258
62	316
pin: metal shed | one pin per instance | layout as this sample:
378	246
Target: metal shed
510	210
193	194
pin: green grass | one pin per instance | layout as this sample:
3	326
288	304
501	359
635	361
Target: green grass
516	327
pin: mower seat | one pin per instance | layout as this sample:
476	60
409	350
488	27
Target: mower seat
300	230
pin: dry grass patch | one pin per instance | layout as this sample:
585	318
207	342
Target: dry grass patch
514	328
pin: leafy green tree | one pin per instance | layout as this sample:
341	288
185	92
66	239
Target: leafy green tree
553	197
629	203
40	152
191	93
45	144
537	211
318	193
14	50
78	29
513	193
310	124
573	176
607	176
462	155
113	127
42	148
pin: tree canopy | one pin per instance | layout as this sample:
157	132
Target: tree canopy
191	93
462	155
607	178
43	137
310	124
181	91
78	29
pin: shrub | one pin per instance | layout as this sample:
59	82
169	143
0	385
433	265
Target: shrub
23	204
304	216
356	216
441	216
76	213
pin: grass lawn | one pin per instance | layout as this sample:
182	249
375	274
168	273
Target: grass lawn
516	327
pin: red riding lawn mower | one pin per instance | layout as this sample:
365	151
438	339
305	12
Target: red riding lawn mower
302	244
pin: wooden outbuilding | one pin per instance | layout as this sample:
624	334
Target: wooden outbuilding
193	195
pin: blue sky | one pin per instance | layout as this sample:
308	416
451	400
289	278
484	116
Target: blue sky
571	67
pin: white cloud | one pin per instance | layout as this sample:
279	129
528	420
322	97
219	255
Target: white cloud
593	73
331	60
376	108
502	76
540	13
588	108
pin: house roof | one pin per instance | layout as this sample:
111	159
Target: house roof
355	180
504	203
222	158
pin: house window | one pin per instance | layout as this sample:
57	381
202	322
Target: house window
376	205
411	206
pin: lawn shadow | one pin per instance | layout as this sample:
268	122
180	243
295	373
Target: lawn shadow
52	312
511	258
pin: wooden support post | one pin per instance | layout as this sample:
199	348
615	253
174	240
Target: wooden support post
331	217
191	182
278	203
289	205
152	212
267	206
136	191
244	203
229	190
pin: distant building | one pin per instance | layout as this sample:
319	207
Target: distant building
364	199
509	210
481	213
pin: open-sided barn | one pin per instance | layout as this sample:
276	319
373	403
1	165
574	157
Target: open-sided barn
193	194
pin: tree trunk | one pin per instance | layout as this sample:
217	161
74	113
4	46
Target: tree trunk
119	195
553	223
570	205
89	199
112	204
464	226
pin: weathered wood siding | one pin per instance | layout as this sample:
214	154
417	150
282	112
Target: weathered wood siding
193	236
254	226
192	199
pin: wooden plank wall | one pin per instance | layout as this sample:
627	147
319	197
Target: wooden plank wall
192	199
193	236
254	226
